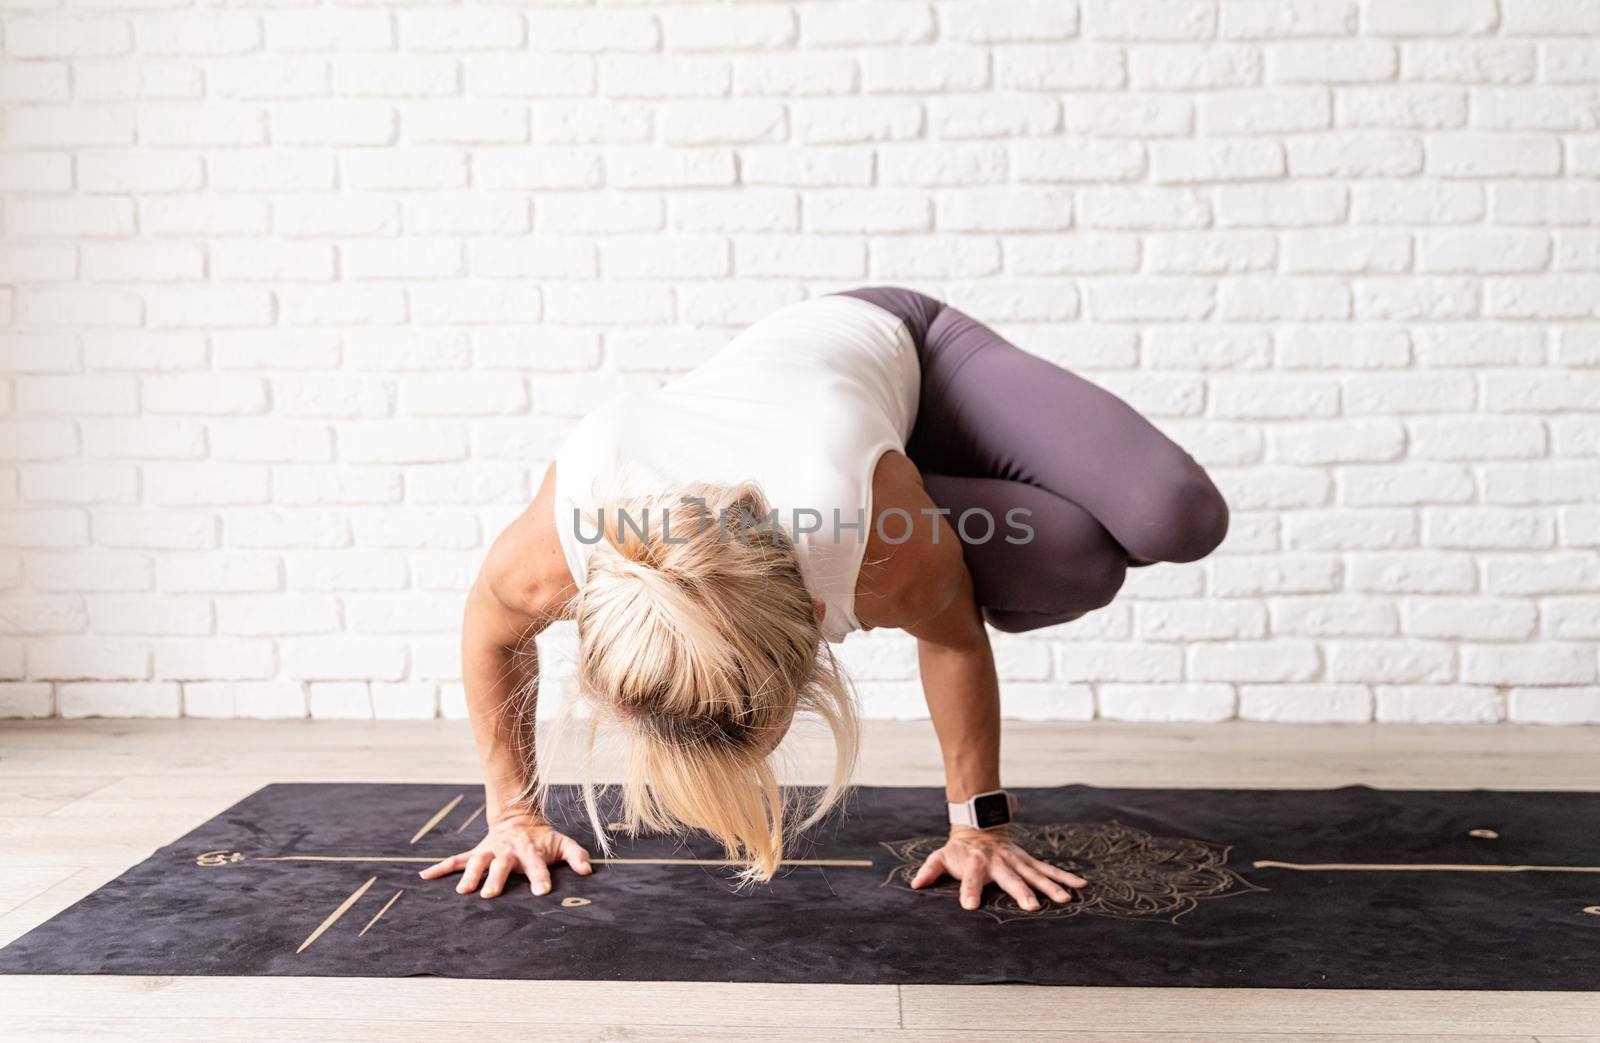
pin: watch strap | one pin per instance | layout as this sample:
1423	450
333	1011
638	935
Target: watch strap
964	813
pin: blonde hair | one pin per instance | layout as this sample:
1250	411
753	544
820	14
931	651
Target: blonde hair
699	642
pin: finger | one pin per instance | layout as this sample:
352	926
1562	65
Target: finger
1032	872
473	873
972	890
538	874
932	869
1066	876
444	866
1015	886
495	882
576	857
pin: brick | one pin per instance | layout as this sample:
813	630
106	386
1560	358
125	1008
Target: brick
207	306
1395	202
1458	61
1555	705
215	124
344	658
424	167
1497	155
784	165
149	615
1305	703
336	123
124	79
1005	209
1287	206
648	168
1210	253
1271	19
1528	664
713	28
1401	108
254	699
261	78
215	659
663	76
216	216
416	260
1362	155
1331	62
26	700
1173	703
537	168
1049	67
219	33
155	699
1187	67
36	172
933	256
66	37
1241	159
540	75
51	126
992	115
77	218
140	262
1027	20
1149	19
413	75
79	483
828	121
1349	253
924	70
329	29
87	659
1552	18
1431	17
479	29
1135	116
1438	704
592	123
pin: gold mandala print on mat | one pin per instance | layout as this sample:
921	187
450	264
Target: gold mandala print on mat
1132	875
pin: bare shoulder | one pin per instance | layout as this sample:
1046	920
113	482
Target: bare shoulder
913	565
525	570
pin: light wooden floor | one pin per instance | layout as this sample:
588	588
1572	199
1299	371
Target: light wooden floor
82	800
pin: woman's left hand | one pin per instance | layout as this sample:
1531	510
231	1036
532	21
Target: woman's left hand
977	856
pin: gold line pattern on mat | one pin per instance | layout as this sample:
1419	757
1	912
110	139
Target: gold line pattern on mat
333	917
380	912
845	863
437	818
1441	867
471	818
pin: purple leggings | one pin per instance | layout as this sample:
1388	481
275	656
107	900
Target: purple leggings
998	428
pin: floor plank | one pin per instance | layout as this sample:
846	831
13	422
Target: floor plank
301	1030
22	882
411	1000
1396	1011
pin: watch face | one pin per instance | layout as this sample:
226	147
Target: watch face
991	809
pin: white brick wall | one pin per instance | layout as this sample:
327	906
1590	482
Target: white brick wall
297	300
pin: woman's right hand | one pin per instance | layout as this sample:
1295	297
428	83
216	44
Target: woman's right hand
517	840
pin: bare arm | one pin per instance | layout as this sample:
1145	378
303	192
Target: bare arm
923	586
524	586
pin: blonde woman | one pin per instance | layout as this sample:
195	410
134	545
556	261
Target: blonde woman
859	460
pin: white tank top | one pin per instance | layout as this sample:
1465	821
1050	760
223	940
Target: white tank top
803	403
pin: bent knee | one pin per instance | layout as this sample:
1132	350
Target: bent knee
1186	519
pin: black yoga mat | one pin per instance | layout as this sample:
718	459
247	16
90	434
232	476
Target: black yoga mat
1342	888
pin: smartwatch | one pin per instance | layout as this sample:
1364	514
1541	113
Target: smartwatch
984	810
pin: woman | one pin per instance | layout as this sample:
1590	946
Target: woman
925	474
